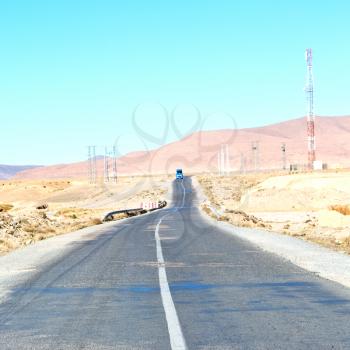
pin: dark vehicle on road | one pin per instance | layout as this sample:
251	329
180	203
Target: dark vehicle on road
179	174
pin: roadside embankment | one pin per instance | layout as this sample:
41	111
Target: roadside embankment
32	211
325	262
313	206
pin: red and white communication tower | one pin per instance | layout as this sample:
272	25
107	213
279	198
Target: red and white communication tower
309	89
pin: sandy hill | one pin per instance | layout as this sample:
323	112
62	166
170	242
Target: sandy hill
198	152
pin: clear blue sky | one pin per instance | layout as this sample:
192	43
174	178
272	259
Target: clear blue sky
73	71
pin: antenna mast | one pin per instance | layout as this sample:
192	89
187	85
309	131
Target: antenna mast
309	89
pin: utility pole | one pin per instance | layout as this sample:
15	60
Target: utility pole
115	164
219	163
228	167
89	165
222	157
223	160
284	159
106	166
242	164
255	153
92	164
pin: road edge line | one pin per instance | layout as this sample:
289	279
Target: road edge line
177	340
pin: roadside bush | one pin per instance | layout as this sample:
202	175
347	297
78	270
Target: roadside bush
342	209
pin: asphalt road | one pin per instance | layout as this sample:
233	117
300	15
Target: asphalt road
171	280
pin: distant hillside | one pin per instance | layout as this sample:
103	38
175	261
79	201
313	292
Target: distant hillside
199	151
8	171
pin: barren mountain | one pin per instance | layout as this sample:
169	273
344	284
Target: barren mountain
199	151
8	171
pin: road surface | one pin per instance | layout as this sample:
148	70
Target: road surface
171	280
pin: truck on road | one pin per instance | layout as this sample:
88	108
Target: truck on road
179	174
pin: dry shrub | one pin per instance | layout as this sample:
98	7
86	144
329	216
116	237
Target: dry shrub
45	230
81	225
96	221
120	216
72	213
346	242
342	209
5	207
224	218
42	206
206	209
40	237
29	228
7	245
37	228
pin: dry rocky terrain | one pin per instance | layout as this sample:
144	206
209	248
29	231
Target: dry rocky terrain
312	206
32	210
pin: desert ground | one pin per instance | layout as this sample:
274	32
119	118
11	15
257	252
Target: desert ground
32	210
312	206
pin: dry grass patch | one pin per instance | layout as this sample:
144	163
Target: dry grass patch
38	228
342	209
346	243
73	213
5	207
7	245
